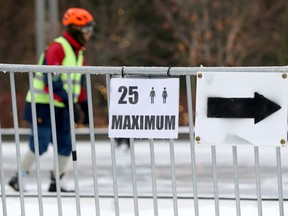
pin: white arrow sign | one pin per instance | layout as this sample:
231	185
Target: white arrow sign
235	108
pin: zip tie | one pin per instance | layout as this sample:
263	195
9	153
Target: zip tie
168	71
122	72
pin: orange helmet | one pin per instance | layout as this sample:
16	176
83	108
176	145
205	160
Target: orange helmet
77	16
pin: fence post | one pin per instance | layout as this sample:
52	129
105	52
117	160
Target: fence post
17	141
192	144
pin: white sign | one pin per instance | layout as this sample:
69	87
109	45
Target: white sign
247	108
144	108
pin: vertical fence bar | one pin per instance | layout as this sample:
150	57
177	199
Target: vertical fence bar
92	141
236	180
215	179
55	147
153	174
279	177
2	178
192	144
134	177
73	139
17	140
36	142
114	175
258	180
113	157
173	174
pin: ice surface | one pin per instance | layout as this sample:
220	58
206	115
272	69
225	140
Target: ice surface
185	204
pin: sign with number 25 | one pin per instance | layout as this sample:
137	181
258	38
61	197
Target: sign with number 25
144	108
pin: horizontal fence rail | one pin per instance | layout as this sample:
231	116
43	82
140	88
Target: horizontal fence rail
156	170
158	71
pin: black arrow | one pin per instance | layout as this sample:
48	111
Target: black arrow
258	107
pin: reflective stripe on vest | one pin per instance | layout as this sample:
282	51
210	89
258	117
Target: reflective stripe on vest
70	59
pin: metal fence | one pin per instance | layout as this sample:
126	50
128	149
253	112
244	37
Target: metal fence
193	170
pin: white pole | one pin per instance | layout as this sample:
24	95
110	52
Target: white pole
39	26
53	19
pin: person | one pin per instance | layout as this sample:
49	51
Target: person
122	143
66	50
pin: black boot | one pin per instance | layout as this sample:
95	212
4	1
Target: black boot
52	186
13	183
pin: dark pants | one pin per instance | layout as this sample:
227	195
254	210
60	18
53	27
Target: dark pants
62	120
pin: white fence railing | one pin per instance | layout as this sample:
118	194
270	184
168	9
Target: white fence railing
212	177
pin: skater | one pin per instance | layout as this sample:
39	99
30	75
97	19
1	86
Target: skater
66	50
123	143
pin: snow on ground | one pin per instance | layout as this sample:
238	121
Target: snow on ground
185	203
185	207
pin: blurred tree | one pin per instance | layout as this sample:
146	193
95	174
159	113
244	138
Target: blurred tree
282	50
230	33
158	32
17	32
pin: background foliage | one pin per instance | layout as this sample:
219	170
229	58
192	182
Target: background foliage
151	33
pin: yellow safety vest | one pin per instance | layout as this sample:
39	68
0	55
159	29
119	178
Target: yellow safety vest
70	59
